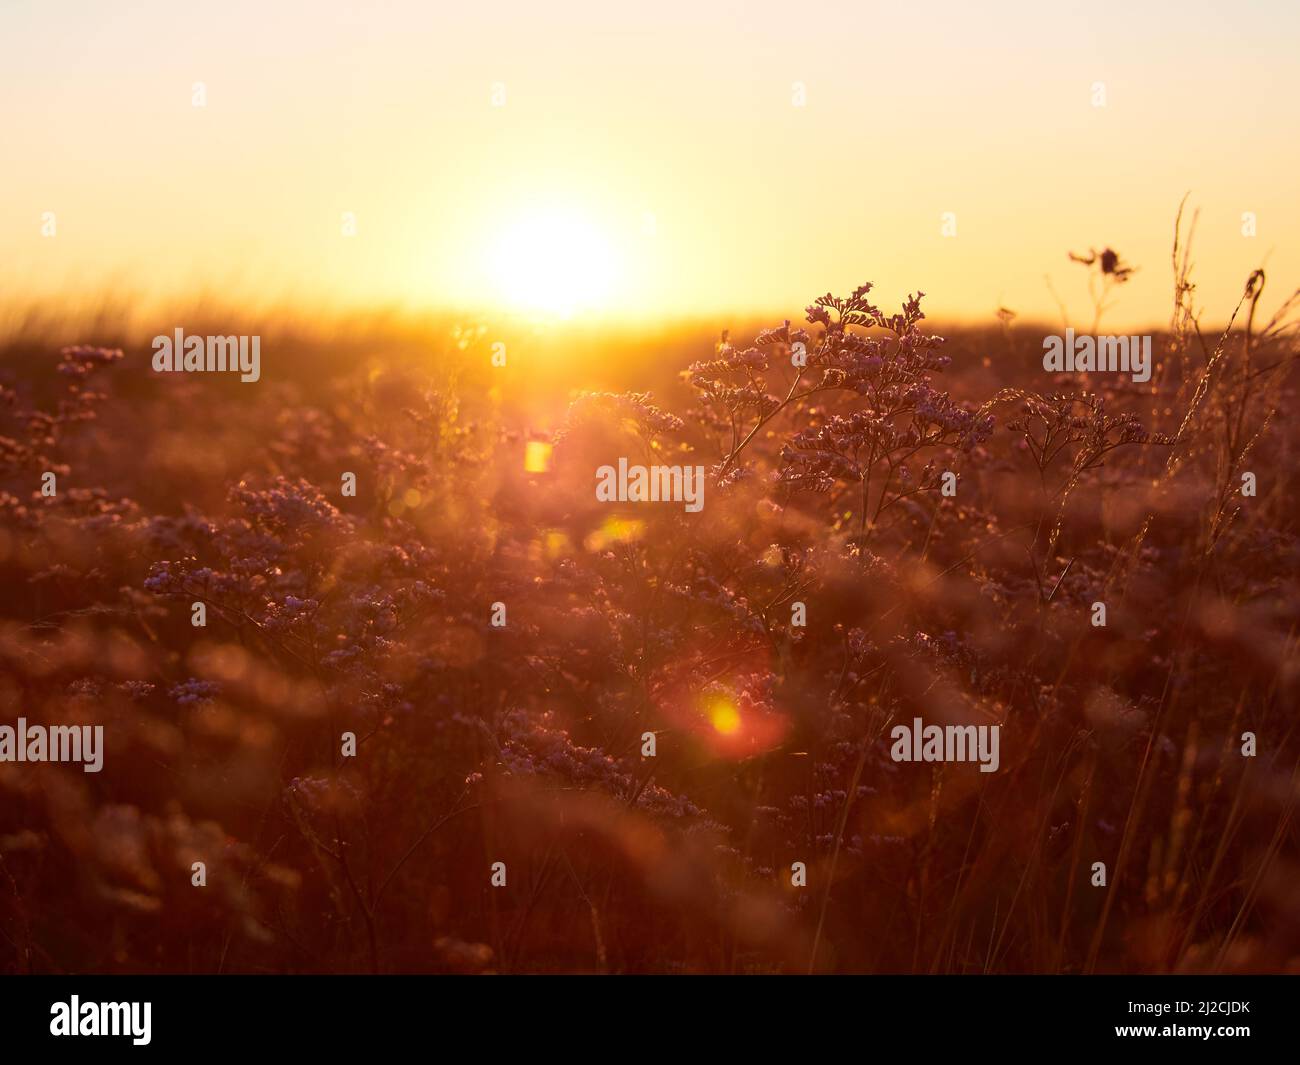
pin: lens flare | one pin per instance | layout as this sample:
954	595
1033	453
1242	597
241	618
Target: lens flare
725	719
537	456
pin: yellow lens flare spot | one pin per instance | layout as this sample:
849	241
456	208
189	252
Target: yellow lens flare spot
411	498
725	719
557	544
537	456
549	545
614	531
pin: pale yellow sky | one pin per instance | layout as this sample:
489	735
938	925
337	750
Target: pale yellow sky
651	162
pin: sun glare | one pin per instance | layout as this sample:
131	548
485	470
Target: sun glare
558	263
725	718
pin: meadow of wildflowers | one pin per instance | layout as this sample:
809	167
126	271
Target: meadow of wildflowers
598	737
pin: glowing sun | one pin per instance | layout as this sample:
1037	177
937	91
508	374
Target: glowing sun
557	262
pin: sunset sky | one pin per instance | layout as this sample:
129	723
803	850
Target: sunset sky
585	158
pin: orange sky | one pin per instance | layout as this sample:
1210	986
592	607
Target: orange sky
592	157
